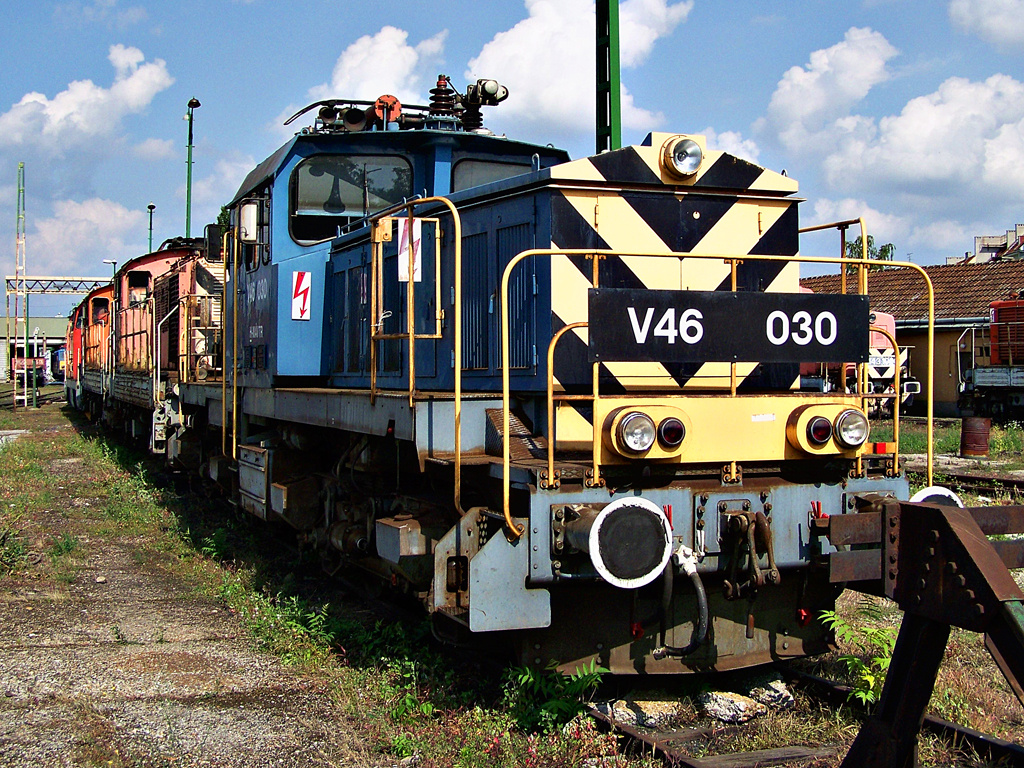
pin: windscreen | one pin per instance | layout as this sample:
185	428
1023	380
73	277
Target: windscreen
329	191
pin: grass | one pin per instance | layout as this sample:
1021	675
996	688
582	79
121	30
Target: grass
408	696
1006	441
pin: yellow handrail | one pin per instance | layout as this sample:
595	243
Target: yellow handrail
552	479
514	530
233	274
411	336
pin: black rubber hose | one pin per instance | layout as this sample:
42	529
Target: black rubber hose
700	634
668	579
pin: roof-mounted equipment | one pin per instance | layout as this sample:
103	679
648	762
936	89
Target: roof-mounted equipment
448	110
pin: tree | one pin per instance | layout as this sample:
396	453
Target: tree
881	253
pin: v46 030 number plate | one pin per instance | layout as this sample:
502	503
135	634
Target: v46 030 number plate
722	326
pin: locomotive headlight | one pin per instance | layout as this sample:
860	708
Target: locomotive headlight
682	157
637	432
851	428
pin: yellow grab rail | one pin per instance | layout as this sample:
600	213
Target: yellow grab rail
377	223
552	478
515	530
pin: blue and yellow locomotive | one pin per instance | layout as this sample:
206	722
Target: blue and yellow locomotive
555	400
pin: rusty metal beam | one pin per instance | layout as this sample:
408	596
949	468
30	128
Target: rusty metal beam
859	565
888	739
939	566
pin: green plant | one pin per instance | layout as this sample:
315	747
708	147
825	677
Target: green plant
403	744
868	665
1007	439
215	545
64	545
407	681
547	700
12	550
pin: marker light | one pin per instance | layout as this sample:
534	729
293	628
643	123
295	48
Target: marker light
671	432
637	432
819	430
683	157
851	428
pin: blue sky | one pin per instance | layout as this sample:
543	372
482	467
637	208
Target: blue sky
908	112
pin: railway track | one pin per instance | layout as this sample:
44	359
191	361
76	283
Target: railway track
671	744
976	482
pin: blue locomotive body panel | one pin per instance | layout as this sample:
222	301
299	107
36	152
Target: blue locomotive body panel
295	261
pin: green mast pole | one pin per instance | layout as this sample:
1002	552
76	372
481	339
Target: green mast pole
193	104
609	101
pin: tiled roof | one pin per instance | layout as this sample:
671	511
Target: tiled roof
961	290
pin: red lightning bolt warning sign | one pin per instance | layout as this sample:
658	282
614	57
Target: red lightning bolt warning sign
301	283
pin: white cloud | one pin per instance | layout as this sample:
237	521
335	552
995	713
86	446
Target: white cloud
733	143
212	191
996	21
546	61
154	149
936	172
99	11
965	138
643	22
811	98
1004	159
907	232
374	65
85	110
76	239
383	63
882	226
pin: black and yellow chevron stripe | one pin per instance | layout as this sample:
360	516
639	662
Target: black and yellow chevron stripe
624	201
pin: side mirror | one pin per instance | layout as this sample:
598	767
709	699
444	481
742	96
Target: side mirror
213	235
248	222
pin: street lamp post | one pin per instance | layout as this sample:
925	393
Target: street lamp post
113	266
151	208
193	104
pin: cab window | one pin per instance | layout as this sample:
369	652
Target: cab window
332	191
100	310
138	287
473	173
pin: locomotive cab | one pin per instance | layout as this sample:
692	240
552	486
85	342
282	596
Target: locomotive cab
323	186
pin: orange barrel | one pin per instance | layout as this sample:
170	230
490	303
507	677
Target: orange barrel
974	432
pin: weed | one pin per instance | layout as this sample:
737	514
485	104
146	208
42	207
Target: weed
866	667
215	545
1008	438
12	550
544	701
408	704
64	545
404	744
